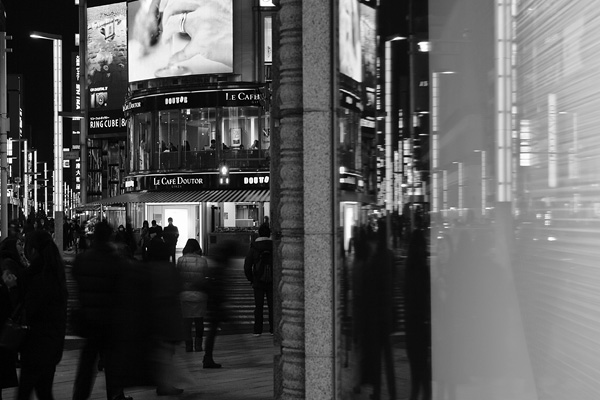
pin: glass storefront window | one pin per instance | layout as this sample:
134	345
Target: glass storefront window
140	142
166	147
198	129
350	145
245	137
186	139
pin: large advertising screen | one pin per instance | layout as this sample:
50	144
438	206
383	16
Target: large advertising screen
107	56
368	34
174	38
349	40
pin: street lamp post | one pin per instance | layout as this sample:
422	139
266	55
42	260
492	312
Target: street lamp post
46	188
58	135
389	165
26	180
45	184
3	131
35	183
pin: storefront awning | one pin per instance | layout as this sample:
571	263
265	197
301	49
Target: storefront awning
187	197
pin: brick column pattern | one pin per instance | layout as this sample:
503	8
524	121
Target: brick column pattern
287	184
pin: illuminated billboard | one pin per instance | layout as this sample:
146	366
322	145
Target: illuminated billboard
170	38
349	40
368	34
106	69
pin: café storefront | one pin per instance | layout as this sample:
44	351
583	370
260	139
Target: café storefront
199	156
202	207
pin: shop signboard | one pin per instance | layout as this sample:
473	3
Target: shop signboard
207	98
71	154
202	181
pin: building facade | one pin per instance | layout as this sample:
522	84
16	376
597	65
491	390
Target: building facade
190	142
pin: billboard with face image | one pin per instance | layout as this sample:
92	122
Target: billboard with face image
174	38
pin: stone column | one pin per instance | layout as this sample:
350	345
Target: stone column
302	187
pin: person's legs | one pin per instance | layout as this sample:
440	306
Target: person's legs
187	329
45	381
209	344
259	299
199	325
27	381
172	256
86	369
166	376
269	293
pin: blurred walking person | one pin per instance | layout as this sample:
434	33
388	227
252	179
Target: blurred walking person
145	239
166	316
193	270
258	268
10	267
43	292
417	291
96	272
217	298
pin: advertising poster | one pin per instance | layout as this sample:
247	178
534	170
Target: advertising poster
368	34
107	56
179	37
349	40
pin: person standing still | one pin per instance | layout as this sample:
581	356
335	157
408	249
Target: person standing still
170	236
260	252
193	271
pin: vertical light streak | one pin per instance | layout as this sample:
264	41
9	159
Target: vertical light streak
444	192
58	130
389	200
434	177
552	147
35	182
483	183
460	189
26	180
434	101
46	188
503	100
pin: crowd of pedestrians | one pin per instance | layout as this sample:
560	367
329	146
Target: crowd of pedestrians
132	313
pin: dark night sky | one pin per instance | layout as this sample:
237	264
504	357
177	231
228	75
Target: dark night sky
32	58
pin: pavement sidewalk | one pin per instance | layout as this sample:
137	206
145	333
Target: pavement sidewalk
247	372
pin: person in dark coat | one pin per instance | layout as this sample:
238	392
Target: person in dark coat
157	250
418	316
96	272
10	266
261	289
170	236
43	291
376	313
166	316
193	270
217	297
144	239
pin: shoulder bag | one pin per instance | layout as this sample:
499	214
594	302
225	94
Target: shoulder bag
14	330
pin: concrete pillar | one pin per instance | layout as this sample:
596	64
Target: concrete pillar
302	192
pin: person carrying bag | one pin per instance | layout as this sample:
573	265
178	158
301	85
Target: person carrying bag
14	330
